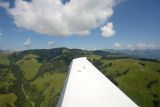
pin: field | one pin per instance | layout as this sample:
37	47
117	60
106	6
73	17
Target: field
35	78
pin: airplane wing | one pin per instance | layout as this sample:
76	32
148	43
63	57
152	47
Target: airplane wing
86	86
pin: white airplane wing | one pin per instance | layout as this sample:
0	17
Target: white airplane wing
86	86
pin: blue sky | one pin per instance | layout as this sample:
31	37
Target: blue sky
136	23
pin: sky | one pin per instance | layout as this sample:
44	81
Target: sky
84	24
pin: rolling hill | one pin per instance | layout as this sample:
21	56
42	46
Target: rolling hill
34	78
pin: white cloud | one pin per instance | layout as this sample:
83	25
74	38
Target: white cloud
141	46
130	47
51	17
151	46
4	5
108	31
28	42
51	43
117	45
94	48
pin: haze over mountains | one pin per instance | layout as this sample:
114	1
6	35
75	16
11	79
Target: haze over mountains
147	53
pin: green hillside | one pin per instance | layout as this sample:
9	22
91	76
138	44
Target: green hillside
34	78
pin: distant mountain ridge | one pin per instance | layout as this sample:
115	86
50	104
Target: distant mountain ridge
149	54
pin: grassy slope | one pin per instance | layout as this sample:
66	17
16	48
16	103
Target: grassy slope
47	84
29	66
50	85
6	79
4	58
134	83
7	100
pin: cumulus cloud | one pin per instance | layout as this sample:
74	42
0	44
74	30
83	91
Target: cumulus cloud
28	42
51	43
52	17
117	45
108	31
142	46
130	47
4	5
94	48
151	46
